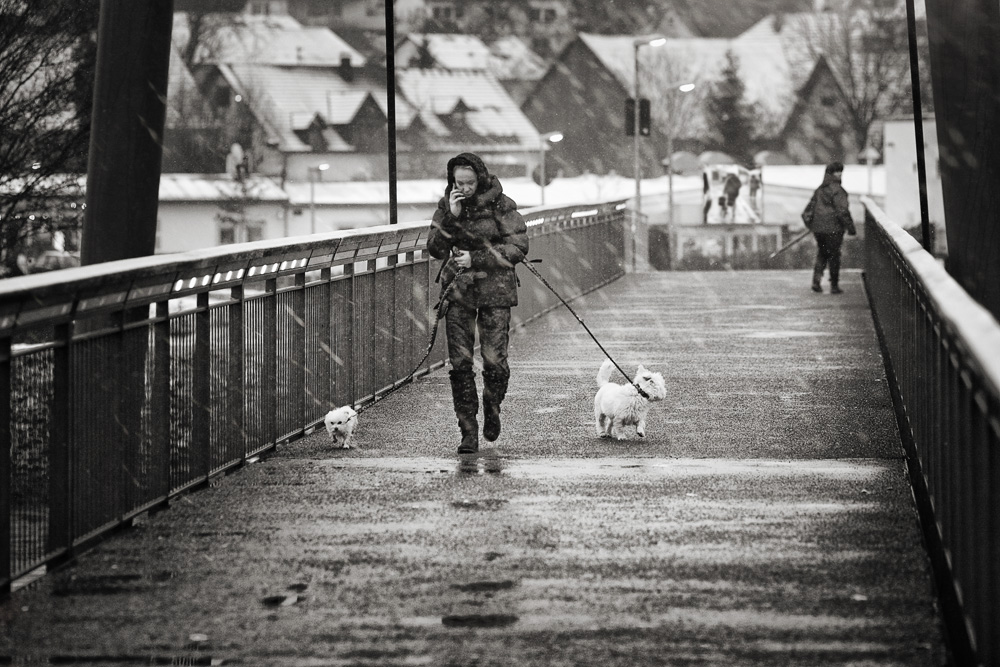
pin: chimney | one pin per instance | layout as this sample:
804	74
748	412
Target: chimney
345	70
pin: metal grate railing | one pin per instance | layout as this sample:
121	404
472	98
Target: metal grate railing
127	383
944	362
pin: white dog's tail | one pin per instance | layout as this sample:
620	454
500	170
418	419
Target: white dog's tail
604	375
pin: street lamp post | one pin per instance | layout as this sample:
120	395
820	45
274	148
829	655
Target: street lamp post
545	140
314	172
684	88
650	40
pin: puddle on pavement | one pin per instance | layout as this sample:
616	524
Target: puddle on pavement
485	504
484	586
513	468
785	334
479	620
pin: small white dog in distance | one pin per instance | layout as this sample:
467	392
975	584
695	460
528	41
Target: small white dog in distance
340	423
619	405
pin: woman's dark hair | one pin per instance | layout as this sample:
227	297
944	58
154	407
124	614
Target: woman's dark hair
834	167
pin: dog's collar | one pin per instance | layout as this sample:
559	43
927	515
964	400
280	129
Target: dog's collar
641	392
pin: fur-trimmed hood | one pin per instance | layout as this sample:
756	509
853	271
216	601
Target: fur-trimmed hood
488	187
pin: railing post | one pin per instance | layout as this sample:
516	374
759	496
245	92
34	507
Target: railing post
201	458
236	391
324	347
298	365
270	350
160	400
6	476
60	531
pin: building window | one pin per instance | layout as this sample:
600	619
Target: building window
442	12
230	232
549	16
828	101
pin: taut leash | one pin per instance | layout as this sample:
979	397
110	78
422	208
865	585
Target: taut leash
528	265
440	310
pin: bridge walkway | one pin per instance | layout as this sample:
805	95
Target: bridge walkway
766	519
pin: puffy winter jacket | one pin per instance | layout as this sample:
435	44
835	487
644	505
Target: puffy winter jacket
830	211
490	227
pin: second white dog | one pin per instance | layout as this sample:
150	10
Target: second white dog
619	405
340	423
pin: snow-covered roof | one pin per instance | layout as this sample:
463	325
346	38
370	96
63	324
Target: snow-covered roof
486	107
286	99
217	187
450	51
270	40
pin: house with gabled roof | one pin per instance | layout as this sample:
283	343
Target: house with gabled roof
509	58
837	55
297	97
583	95
464	110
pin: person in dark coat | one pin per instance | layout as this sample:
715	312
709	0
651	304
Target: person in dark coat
477	228
828	216
731	190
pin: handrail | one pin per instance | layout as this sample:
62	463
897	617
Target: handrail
129	382
943	363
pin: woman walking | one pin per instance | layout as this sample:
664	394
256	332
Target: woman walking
477	228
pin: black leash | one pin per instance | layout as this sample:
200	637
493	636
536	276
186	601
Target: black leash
528	265
440	310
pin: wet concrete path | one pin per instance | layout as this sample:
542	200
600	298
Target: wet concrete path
766	518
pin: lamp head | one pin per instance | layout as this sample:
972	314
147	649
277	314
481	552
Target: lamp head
651	40
554	137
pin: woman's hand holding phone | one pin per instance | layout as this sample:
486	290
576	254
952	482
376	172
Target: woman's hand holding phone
455	202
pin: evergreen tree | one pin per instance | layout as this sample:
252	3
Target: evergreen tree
732	120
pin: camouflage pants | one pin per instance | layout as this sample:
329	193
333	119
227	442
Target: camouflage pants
461	323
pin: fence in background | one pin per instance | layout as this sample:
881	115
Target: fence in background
944	359
127	383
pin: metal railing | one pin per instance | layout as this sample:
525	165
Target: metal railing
127	383
944	361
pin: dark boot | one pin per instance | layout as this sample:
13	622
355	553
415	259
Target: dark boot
466	400
494	390
817	279
835	289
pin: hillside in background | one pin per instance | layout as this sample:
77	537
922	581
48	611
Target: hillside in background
706	18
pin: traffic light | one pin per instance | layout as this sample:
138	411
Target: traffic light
644	112
644	117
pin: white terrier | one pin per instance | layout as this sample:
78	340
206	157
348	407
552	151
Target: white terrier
618	405
340	423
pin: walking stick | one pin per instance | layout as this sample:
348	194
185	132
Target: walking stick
789	244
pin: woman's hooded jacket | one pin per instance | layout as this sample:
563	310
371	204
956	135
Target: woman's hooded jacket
490	227
830	210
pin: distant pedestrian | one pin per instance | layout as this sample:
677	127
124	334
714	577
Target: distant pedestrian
477	228
731	190
828	216
754	187
706	197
